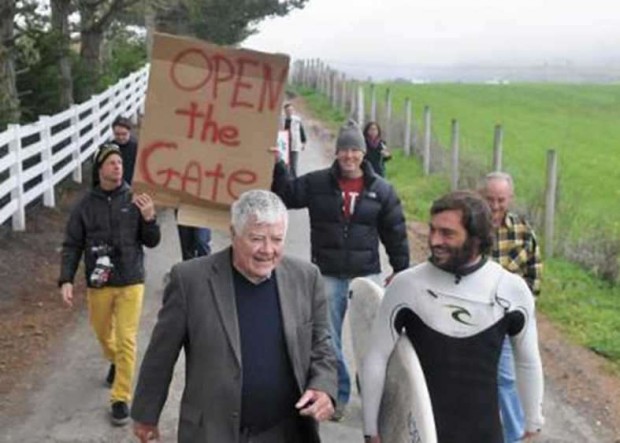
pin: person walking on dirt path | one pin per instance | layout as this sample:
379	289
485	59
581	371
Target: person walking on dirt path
457	308
110	225
122	136
351	209
516	249
253	324
377	152
296	136
127	144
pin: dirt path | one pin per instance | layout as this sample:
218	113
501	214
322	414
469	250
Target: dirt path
51	370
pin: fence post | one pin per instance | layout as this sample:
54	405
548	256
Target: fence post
455	155
407	141
550	192
332	88
46	158
353	97
373	102
343	94
388	115
317	76
135	114
18	219
75	144
427	140
303	73
360	105
142	101
498	140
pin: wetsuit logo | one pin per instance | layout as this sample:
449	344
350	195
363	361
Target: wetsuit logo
460	314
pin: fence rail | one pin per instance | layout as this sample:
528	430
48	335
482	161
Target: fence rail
35	157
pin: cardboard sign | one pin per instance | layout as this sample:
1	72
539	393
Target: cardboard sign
211	114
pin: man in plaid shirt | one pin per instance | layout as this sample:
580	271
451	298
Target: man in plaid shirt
516	249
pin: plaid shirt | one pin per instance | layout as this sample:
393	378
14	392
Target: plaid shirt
516	249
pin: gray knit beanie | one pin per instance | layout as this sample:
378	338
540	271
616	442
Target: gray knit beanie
350	137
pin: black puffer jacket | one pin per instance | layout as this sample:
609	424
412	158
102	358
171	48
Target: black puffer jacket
100	219
340	247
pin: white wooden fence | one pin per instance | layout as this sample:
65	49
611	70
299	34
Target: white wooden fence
35	157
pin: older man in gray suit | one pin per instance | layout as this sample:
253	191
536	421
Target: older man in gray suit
260	367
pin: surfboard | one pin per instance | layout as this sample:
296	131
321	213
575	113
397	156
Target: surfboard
406	413
364	300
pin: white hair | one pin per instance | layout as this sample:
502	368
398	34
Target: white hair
500	176
259	206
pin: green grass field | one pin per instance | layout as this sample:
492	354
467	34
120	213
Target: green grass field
579	121
584	307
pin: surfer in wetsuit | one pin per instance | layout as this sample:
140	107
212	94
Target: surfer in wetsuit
456	309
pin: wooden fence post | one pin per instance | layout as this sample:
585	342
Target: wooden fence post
334	89
16	170
550	193
407	141
343	96
46	157
498	140
388	115
360	105
352	98
75	144
427	140
373	102
455	155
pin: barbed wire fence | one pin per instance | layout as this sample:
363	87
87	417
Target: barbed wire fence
417	136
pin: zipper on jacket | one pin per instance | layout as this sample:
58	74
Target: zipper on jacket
347	258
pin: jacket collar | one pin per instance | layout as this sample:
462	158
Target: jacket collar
97	191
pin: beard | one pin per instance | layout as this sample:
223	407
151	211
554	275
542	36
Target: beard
458	257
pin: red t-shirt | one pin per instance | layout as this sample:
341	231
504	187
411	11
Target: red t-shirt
351	190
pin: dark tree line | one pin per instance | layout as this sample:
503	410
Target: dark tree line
54	53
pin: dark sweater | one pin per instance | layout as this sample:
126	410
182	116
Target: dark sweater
129	151
269	391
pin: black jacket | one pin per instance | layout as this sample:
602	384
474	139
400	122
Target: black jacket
129	152
340	247
375	157
113	220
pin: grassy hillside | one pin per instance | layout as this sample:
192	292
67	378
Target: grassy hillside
579	121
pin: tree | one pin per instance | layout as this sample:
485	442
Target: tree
95	18
219	21
232	21
61	9
9	100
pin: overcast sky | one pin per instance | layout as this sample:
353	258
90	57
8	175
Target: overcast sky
446	32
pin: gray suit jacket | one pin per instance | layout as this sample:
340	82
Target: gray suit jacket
199	314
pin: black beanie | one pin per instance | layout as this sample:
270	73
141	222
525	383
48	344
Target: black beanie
104	152
350	137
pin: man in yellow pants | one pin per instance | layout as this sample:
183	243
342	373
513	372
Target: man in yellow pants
110	225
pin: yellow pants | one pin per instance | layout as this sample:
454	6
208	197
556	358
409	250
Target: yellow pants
115	316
